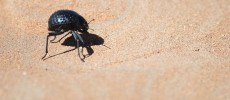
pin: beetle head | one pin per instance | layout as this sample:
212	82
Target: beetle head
83	24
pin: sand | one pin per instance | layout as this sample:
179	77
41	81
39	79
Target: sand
156	49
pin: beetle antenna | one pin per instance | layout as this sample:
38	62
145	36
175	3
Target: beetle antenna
91	21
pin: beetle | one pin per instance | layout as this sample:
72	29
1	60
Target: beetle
62	21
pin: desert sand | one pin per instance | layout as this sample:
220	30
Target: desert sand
156	50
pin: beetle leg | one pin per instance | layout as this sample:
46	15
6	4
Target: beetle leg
81	39
60	38
79	36
78	46
53	39
47	39
55	34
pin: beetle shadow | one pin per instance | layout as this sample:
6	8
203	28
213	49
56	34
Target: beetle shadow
89	40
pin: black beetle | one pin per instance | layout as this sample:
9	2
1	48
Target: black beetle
62	21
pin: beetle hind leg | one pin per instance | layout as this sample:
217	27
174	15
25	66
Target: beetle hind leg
47	40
